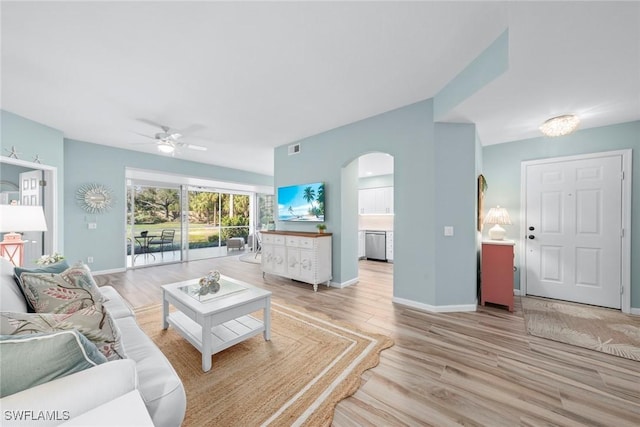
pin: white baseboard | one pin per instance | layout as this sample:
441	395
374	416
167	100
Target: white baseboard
345	284
435	308
113	270
516	292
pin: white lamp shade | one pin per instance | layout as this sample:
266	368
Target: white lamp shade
497	216
22	218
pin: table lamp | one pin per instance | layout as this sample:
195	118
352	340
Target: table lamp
497	216
15	218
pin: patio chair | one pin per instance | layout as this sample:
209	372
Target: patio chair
165	238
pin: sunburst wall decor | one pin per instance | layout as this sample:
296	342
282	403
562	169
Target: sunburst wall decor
94	198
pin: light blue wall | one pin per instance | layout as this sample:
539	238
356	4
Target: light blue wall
501	167
349	222
491	63
12	173
93	163
406	133
455	201
33	139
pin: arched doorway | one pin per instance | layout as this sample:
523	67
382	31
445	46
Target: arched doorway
375	211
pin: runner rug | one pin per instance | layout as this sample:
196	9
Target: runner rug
601	329
297	378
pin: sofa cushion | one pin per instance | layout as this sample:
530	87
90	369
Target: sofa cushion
115	304
55	268
29	360
160	386
126	410
93	322
67	292
72	395
11	297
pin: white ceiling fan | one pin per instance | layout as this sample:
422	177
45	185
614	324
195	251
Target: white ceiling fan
168	141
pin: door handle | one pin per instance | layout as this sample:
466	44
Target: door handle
531	236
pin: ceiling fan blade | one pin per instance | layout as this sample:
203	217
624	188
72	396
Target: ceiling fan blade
151	123
192	146
175	136
146	136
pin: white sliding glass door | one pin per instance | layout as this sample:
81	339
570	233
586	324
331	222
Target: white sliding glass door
215	217
200	219
153	224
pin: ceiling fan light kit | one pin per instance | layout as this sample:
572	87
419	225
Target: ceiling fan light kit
166	148
168	143
560	125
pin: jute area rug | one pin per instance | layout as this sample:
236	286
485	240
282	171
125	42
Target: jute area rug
600	329
297	378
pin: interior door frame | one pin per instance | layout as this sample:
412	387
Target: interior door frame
50	199
627	178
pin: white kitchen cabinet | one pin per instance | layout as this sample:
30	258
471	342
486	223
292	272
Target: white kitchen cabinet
389	246
375	201
365	201
297	255
361	244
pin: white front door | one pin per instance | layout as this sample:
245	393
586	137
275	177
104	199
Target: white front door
573	224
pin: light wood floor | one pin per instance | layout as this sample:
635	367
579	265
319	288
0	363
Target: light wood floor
476	368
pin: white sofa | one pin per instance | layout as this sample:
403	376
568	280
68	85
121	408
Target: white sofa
145	379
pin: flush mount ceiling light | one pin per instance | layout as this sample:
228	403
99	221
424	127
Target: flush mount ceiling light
560	126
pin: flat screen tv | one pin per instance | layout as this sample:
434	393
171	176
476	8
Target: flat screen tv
303	203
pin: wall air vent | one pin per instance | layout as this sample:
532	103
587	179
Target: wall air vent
294	149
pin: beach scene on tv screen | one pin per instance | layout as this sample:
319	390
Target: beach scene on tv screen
301	202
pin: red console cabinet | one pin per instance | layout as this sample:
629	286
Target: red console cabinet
497	273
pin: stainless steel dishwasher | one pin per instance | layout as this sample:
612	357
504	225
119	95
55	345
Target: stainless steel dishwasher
375	245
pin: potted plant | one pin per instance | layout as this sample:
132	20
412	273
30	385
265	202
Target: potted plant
50	259
321	227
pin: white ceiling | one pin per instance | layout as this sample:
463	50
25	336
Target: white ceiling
244	77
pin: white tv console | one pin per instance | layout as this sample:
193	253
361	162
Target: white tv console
297	255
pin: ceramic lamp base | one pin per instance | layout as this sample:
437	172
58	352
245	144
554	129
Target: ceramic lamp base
497	233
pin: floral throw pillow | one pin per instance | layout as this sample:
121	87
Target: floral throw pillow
94	322
67	292
56	268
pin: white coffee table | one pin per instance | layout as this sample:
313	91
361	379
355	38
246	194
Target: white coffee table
225	314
